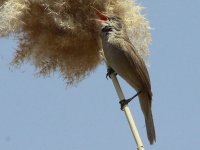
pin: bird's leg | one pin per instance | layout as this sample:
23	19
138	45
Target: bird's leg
109	69
109	72
126	101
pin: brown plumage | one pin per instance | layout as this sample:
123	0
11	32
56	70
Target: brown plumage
124	59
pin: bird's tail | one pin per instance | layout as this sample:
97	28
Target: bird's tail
145	103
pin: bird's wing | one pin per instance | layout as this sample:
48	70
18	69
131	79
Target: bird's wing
138	63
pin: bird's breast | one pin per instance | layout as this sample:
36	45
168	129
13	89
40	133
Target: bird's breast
117	60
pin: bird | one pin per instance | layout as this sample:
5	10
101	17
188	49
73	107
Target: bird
123	58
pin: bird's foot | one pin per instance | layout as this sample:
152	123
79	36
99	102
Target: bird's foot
126	101
109	72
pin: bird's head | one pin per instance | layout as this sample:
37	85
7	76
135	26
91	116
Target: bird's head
109	23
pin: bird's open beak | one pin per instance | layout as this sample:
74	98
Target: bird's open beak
102	17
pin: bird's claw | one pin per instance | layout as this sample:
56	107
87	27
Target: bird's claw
109	72
126	101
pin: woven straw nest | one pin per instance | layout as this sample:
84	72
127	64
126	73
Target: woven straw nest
61	35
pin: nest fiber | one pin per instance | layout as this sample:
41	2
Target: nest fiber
61	35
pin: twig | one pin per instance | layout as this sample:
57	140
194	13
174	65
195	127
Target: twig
126	110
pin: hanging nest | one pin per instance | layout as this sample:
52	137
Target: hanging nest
61	35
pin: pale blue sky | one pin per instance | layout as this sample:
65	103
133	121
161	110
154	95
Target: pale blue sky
42	114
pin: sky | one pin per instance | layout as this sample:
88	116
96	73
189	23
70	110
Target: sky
43	114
